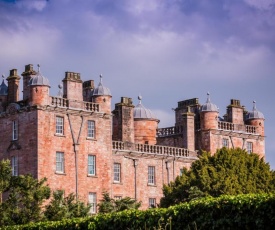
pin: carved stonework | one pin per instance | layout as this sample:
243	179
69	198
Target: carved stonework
14	146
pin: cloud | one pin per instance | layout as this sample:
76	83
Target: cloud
30	5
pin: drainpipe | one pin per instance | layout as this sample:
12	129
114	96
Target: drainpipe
167	169
135	161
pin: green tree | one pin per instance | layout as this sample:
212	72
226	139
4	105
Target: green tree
5	176
62	207
229	171
109	204
25	198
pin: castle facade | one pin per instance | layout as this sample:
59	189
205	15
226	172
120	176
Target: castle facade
80	145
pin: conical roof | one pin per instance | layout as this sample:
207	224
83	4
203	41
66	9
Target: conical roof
141	112
255	113
39	79
3	89
208	106
101	90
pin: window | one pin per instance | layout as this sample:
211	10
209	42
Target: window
249	147
225	143
181	172
59	125
151	174
91	165
14	130
118	197
14	166
91	129
92	202
152	202
60	162
116	172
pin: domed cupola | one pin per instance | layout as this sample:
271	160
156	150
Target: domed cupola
39	79
3	88
208	106
140	112
101	90
255	113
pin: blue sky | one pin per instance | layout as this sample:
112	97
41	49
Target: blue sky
165	50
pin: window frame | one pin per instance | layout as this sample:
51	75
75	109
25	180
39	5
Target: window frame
91	165
92	202
14	130
14	165
60	161
151	175
152	203
225	143
249	147
59	126
91	129
117	172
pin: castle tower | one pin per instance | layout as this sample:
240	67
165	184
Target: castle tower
102	95
208	120
235	112
39	89
3	95
27	75
256	118
13	86
145	125
72	86
123	121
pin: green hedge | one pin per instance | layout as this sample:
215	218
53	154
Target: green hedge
252	211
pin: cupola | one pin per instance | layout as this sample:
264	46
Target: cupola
38	79
101	90
255	113
208	106
3	88
140	112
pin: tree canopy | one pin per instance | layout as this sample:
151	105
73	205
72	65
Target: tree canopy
229	171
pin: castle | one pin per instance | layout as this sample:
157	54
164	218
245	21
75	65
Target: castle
80	145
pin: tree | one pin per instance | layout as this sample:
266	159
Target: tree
62	207
109	204
25	198
229	171
5	176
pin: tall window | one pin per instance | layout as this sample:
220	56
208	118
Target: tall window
249	147
116	172
59	125
91	129
14	166
92	202
225	143
60	162
151	175
91	165
152	202
14	130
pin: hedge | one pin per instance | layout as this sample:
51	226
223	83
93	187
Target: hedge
250	211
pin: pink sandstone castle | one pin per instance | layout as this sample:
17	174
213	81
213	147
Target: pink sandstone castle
80	145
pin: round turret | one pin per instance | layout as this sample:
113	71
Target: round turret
209	115
39	88
145	125
256	118
102	95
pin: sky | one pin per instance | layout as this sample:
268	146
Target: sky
164	50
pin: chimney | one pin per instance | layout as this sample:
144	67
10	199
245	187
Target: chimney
13	86
72	86
88	86
26	79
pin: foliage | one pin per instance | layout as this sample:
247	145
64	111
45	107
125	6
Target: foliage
24	201
108	204
249	211
62	207
5	176
229	171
